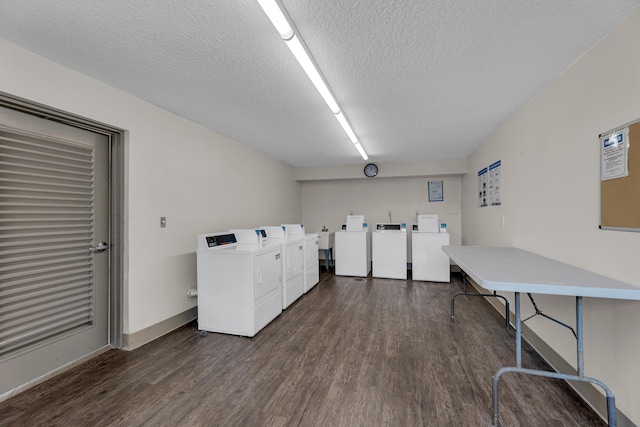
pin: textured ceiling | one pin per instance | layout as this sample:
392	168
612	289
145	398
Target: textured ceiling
417	79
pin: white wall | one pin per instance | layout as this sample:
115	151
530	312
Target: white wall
327	203
198	179
550	203
416	168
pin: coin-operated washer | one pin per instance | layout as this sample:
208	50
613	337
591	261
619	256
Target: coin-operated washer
353	248
389	251
239	282
292	261
429	262
311	264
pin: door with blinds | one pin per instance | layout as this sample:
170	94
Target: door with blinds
54	240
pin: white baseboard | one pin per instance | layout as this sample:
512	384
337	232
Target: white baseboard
144	336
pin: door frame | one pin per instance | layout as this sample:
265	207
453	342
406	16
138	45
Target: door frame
117	225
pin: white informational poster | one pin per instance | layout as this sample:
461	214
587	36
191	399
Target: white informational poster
614	154
482	187
436	191
494	184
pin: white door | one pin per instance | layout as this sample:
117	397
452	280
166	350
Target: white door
311	253
267	276
54	273
296	263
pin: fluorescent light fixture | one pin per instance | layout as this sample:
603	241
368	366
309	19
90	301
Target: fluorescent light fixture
273	11
361	151
345	125
309	67
279	20
281	23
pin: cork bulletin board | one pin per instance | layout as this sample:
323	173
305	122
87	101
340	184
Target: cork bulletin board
620	196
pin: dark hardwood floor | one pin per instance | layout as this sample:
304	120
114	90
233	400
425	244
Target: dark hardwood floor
352	352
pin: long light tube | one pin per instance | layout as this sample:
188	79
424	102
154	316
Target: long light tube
314	75
273	11
281	23
361	151
345	125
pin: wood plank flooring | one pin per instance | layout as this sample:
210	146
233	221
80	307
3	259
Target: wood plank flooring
352	352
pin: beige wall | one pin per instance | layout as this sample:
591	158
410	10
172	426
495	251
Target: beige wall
550	203
437	167
550	167
199	180
327	203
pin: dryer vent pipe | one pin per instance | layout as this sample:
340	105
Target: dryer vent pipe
192	293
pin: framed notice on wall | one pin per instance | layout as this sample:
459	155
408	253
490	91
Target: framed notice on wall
620	178
436	191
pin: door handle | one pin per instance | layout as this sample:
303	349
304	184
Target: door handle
100	247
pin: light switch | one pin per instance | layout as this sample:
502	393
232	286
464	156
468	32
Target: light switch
163	222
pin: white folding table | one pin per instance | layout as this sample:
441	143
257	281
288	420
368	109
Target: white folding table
514	270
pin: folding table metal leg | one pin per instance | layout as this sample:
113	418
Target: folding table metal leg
611	400
474	294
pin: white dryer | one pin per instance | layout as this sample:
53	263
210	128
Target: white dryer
292	261
429	262
353	248
389	251
239	283
311	265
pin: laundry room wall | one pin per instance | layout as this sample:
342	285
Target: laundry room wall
550	182
328	202
174	168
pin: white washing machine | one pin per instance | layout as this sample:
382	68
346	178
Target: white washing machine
353	248
389	251
239	283
429	262
292	261
311	265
